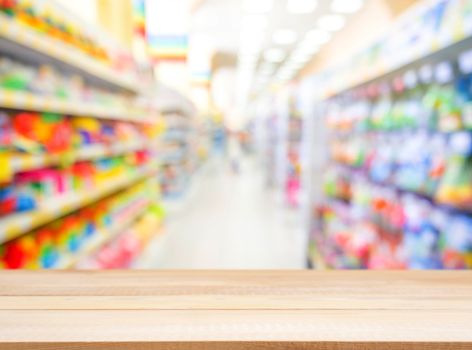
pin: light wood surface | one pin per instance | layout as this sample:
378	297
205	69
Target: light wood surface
235	310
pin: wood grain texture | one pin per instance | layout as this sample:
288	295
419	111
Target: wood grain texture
235	310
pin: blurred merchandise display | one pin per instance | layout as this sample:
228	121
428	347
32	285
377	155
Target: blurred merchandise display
78	143
294	139
54	165
45	81
123	251
182	150
428	27
64	242
48	21
398	185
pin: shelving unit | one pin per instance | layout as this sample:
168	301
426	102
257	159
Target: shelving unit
22	162
23	40
116	107
14	225
176	160
371	214
102	237
30	102
389	53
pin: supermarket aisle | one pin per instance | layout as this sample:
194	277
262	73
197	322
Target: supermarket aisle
229	221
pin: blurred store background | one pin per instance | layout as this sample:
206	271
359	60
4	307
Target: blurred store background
325	134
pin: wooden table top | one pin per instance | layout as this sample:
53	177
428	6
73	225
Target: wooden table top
235	310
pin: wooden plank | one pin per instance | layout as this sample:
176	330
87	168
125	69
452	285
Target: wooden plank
125	282
251	345
216	301
235	310
235	325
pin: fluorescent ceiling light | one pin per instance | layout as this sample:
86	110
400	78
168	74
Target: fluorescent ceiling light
316	37
274	55
301	6
346	6
331	22
257	6
284	36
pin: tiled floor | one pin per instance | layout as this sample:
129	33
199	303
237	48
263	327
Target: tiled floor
228	221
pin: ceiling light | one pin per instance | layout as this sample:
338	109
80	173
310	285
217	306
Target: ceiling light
300	6
257	6
331	22
284	36
274	55
346	6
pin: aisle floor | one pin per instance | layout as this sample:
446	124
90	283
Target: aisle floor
228	221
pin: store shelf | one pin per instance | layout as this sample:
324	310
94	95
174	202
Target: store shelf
15	225
31	102
430	198
102	237
29	162
20	35
418	44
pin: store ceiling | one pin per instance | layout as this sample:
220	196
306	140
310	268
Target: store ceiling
223	20
242	28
